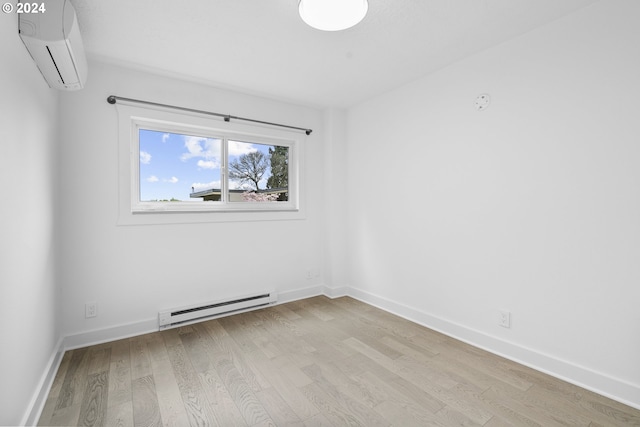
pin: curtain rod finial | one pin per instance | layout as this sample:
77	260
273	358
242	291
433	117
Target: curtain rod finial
111	99
308	131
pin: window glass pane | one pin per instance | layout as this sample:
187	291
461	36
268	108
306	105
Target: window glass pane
258	172
176	167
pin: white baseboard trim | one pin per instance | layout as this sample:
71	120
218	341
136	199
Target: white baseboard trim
128	330
36	405
113	333
301	293
338	292
603	384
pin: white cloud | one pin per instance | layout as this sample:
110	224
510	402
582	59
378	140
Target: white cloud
239	148
152	178
145	158
165	136
207	164
171	180
197	146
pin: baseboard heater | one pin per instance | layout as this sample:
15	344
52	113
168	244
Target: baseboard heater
201	312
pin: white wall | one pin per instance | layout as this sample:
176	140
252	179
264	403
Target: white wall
133	271
28	310
531	206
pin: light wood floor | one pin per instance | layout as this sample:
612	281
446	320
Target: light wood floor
315	362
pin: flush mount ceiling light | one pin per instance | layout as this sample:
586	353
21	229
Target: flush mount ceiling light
332	15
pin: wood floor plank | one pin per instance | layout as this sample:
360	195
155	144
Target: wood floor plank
415	393
314	362
252	411
99	358
65	416
287	332
47	410
399	415
157	349
241	331
404	367
194	399
352	305
325	346
505	370
332	410
415	407
559	409
329	373
582	401
391	324
318	420
146	412
286	312
313	307
229	349
140	363
358	363
196	351
429	381
286	388
120	374
405	347
289	366
278	409
119	415
428	341
517	411
170	404
451	417
94	402
217	335
352	405
605	410
472	375
74	380
225	410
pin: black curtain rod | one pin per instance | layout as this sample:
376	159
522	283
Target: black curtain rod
227	117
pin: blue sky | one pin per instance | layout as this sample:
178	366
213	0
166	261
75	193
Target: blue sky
171	164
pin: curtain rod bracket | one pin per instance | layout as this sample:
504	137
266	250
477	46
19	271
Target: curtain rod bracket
112	99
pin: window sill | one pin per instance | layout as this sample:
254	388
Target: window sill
158	217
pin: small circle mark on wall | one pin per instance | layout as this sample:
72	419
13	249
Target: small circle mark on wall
483	101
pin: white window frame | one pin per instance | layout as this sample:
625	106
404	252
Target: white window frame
133	211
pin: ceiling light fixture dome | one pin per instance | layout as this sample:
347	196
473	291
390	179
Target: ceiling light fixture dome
332	15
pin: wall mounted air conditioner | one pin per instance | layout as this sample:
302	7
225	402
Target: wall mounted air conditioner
52	37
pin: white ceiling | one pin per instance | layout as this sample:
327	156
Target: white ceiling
263	47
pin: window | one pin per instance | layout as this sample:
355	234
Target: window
198	165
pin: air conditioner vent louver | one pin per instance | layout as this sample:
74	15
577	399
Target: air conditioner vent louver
55	65
198	313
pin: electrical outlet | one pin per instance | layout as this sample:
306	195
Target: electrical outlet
504	318
91	309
